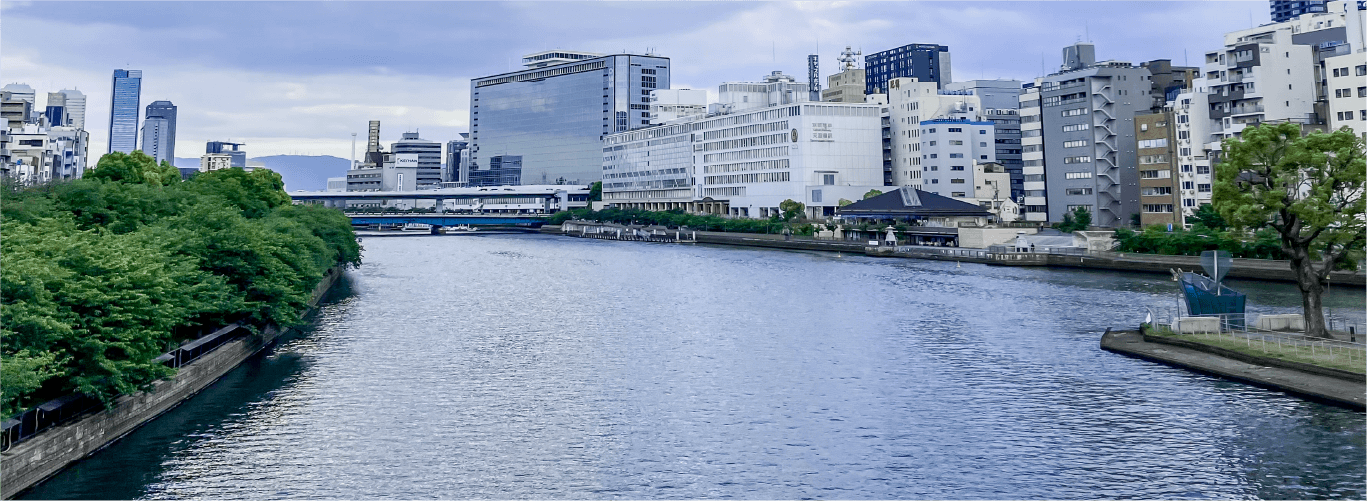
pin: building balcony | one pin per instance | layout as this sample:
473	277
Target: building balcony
1246	110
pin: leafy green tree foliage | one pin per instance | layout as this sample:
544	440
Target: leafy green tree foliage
791	209
99	276
843	202
1206	216
872	193
1309	189
1078	220
1157	240
596	191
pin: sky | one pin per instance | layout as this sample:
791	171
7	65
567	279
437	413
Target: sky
301	77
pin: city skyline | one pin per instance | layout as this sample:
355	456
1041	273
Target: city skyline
305	89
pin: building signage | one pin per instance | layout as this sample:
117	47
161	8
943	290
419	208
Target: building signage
406	160
821	132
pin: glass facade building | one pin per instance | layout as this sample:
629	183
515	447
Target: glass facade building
554	117
924	62
124	102
166	111
504	170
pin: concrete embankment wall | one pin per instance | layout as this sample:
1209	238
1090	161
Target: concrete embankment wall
40	457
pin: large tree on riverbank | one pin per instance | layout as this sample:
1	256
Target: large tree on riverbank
1307	188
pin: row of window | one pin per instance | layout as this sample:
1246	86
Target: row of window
762	177
1076	127
1153	159
1348	115
1077	160
781	151
745	131
747	166
748	142
1074	144
1343	72
1362	92
1154	143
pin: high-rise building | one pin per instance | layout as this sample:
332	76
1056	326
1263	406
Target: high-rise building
156	139
504	170
1159	192
924	62
23	92
428	155
124	102
553	113
165	111
1287	9
56	110
458	160
1034	203
1087	113
75	108
1000	101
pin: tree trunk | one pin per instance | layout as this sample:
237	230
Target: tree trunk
1311	290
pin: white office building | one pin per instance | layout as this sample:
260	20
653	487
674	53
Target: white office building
669	105
745	164
912	102
40	154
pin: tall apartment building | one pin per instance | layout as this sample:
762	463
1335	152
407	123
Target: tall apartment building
1194	149
1000	101
745	161
124	101
554	113
156	139
1158	192
912	102
74	102
1283	10
1345	71
232	152
428	153
1087	114
165	111
458	160
924	62
1166	81
1034	204
56	110
37	153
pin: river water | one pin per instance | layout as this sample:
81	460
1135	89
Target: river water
532	366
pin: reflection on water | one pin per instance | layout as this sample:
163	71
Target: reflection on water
528	366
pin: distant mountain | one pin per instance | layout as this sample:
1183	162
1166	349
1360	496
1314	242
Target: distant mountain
306	173
300	172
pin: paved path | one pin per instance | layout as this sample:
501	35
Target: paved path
1314	386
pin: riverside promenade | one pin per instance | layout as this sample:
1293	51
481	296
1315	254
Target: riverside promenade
1249	269
1325	385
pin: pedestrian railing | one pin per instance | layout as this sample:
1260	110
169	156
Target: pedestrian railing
1238	329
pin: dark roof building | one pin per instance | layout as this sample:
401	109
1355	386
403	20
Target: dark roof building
910	203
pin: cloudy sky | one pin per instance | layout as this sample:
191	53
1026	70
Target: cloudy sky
301	77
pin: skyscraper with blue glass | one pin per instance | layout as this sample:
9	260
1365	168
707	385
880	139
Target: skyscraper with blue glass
553	113
123	111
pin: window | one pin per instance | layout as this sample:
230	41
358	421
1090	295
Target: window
1078	191
956	167
1361	69
1150	191
982	131
1203	169
956	155
1077	175
932	143
1075	128
956	143
1072	208
1187	185
934	181
1153	159
1077	160
828	180
934	155
1362	91
1153	143
1203	188
931	130
1189	202
958	194
956	129
956	181
1075	144
1075	112
1155	174
1157	207
1186	167
816	196
982	144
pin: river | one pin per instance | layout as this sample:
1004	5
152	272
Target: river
534	366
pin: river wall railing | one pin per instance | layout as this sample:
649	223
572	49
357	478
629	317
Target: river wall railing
66	408
609	231
1251	331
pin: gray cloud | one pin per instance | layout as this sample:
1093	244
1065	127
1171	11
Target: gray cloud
301	76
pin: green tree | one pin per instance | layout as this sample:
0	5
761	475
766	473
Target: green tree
1076	220
1307	188
791	209
1207	216
843	202
596	191
872	193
